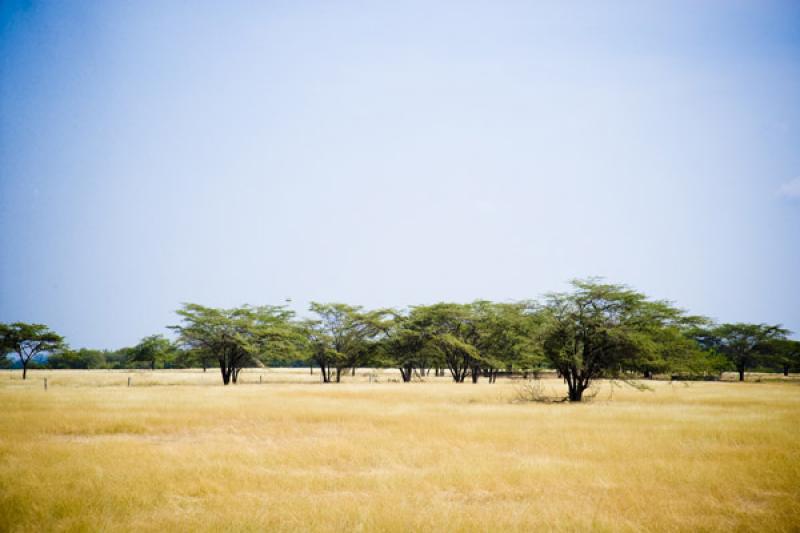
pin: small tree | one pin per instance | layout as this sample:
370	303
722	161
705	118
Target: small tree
28	341
744	345
782	353
152	349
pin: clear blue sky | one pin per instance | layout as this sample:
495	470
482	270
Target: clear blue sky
393	153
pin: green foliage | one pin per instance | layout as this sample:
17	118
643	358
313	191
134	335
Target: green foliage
507	335
743	345
467	339
595	330
448	331
782	354
342	337
236	337
28	341
75	359
117	358
601	329
151	350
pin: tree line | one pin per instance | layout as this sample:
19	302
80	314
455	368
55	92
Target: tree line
595	330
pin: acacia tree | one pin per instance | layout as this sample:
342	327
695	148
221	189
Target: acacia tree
28	341
676	351
742	344
399	344
785	353
448	331
506	335
779	353
152	349
480	338
414	341
340	338
236	337
601	329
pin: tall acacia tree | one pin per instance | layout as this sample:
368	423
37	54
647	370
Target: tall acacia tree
236	337
601	329
27	341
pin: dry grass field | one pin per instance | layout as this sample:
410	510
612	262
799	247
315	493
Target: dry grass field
177	451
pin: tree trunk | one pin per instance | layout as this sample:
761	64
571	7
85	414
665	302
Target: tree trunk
576	394
153	364
456	373
576	384
226	375
648	374
338	375
741	373
24	370
353	373
786	370
311	369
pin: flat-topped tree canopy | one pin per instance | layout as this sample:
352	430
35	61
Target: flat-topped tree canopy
27	341
743	344
605	330
238	336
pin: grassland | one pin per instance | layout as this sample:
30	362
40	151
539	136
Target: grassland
177	451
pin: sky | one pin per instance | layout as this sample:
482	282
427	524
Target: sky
394	153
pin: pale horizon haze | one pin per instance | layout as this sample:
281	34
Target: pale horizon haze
394	153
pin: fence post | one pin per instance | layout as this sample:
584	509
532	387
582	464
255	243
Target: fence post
129	381
259	378
45	383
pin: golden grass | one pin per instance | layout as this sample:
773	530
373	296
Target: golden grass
93	454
